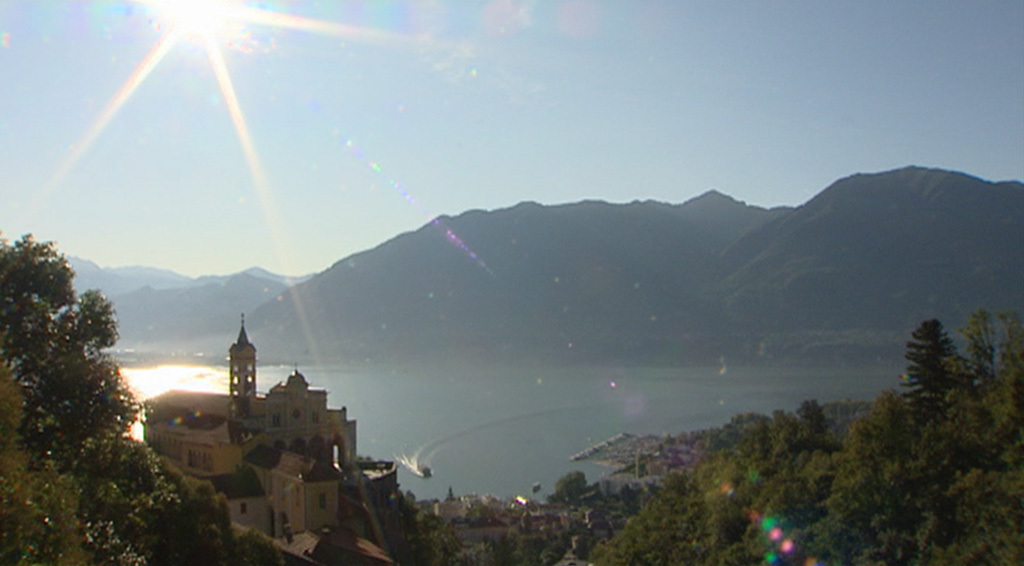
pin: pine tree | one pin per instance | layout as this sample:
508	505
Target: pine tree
931	375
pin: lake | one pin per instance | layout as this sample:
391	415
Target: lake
499	430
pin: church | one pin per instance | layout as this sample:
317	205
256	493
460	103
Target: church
285	461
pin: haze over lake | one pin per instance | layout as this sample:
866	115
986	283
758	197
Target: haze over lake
500	429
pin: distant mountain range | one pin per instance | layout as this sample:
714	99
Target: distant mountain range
164	312
843	278
120	280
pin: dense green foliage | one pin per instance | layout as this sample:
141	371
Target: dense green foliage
74	487
37	521
427	539
53	341
570	488
934	475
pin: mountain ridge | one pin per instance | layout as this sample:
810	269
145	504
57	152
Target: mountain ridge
842	277
126	279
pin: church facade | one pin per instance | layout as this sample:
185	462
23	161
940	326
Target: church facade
208	434
285	461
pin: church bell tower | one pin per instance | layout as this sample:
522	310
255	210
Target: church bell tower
242	372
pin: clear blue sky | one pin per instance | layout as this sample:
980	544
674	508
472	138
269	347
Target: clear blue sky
353	122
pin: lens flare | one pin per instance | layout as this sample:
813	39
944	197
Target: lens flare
449	235
207	22
141	72
259	178
776	538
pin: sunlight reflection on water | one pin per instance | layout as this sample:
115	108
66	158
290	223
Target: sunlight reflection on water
152	381
149	382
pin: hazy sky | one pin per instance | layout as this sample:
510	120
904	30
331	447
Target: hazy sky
295	134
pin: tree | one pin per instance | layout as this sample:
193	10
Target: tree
37	522
253	547
1007	396
668	530
1011	349
813	416
930	375
429	540
878	486
924	474
932	477
988	496
53	341
74	487
980	335
992	344
570	488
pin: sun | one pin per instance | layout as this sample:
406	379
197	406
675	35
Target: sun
214	25
206	18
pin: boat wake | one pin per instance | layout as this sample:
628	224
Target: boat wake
419	462
413	464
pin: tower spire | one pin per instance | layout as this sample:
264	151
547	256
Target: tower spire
243	338
242	371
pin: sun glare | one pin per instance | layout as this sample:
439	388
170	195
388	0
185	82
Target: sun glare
199	17
214	25
152	381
